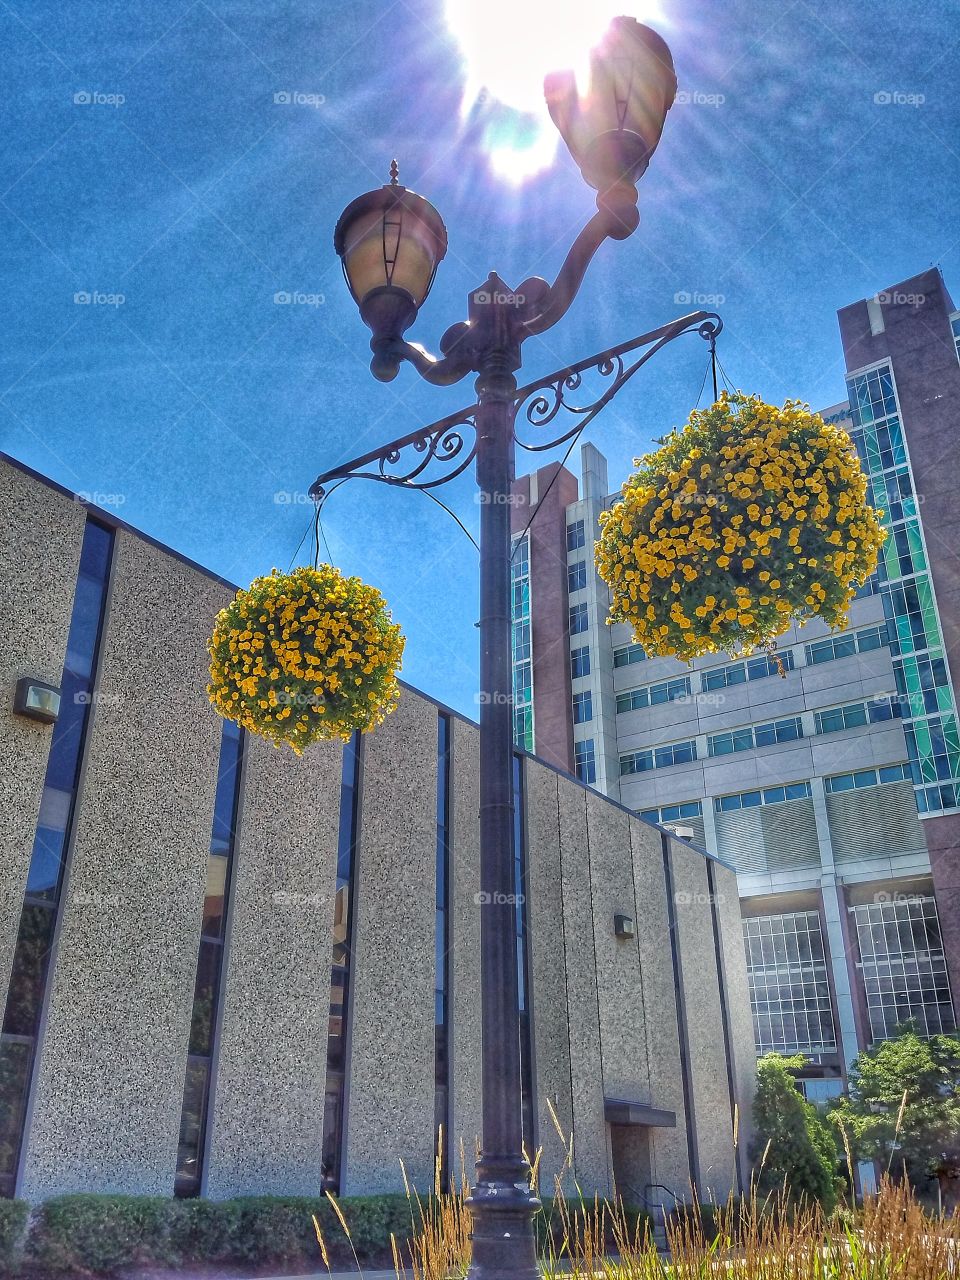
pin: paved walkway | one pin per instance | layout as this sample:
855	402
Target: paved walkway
323	1274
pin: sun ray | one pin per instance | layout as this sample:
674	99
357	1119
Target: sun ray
508	46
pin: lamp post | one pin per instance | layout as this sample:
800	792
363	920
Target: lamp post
390	242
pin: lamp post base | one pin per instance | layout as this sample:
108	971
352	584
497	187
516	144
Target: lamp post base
504	1243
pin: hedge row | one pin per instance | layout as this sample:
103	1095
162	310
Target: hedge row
13	1225
708	1218
551	1222
101	1233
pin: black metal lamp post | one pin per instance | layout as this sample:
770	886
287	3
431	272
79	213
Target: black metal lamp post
390	242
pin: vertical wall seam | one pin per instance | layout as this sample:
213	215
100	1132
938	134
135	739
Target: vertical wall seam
443	852
69	842
593	937
724	1016
829	960
636	919
222	976
686	1077
566	974
225	964
528	1076
350	947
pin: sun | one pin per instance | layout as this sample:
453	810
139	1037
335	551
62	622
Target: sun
508	46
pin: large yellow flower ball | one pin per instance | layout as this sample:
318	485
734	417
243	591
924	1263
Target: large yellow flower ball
747	519
305	656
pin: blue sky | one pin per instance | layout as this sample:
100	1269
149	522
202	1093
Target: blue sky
785	187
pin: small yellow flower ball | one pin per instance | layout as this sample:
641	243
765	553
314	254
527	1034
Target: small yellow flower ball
309	630
785	488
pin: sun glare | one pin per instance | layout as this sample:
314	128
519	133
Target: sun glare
508	46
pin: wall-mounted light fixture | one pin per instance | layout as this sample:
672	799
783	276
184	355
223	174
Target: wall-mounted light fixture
623	927
681	833
37	700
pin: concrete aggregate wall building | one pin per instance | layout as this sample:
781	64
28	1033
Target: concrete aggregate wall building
388	1119
465	1118
829	778
120	995
109	1088
36	595
271	1068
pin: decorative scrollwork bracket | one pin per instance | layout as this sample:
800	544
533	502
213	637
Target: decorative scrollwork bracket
425	459
540	402
437	454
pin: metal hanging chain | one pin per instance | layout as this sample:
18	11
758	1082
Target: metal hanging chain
726	381
713	365
318	528
300	544
703	380
318	532
574	440
316	537
453	516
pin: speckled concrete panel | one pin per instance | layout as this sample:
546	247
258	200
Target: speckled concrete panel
739	1015
704	1024
109	1088
390	1110
589	1126
545	925
36	599
266	1119
464	997
669	1146
623	1035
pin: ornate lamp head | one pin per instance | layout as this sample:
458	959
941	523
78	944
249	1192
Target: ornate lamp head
390	242
612	126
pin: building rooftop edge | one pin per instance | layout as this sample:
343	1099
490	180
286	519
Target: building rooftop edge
115	522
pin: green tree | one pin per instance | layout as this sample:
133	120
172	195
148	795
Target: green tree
903	1108
792	1144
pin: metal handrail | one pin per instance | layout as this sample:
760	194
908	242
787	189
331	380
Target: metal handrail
658	1186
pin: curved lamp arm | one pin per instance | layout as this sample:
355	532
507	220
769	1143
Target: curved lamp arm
610	222
500	319
390	353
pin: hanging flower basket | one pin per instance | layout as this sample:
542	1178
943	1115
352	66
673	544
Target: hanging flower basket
305	656
746	520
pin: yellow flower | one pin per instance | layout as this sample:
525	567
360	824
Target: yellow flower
316	624
678	562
